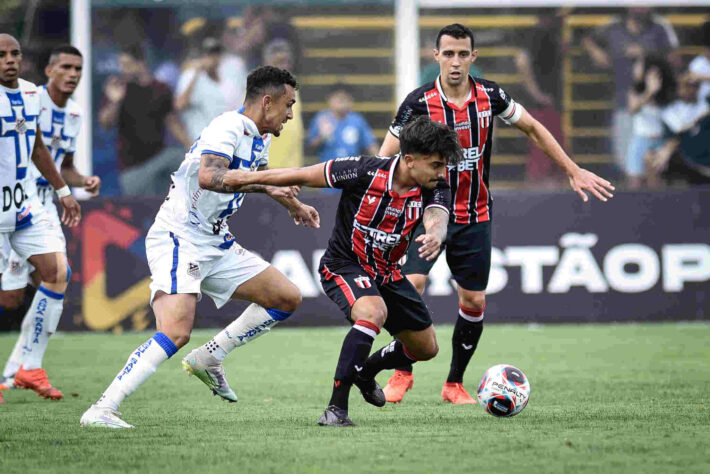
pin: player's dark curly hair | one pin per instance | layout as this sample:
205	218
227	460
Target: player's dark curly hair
424	136
455	30
266	78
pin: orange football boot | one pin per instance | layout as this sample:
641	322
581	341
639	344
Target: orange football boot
456	394
398	385
36	379
2	400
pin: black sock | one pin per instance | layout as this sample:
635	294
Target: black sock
388	357
464	343
353	354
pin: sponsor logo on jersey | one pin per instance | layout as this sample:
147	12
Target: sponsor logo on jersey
393	211
462	126
193	270
471	155
363	281
13	196
379	239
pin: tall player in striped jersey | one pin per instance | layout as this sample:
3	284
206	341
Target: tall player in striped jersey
59	120
468	105
383	200
24	224
191	251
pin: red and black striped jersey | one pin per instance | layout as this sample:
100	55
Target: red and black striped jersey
374	224
474	124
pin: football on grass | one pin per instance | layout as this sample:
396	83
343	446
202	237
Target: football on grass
504	390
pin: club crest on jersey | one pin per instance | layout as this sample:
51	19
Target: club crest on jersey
414	210
363	281
484	118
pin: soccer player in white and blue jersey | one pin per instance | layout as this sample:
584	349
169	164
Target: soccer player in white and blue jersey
190	250
59	120
24	225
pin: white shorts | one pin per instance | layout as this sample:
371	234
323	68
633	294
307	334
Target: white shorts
43	236
179	266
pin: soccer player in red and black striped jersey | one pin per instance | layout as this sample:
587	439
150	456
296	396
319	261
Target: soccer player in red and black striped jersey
383	200
468	105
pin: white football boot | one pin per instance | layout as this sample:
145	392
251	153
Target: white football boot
207	368
103	417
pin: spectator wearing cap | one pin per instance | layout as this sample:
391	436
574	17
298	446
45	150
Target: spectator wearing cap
287	151
199	97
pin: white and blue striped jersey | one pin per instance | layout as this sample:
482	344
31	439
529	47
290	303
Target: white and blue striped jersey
199	215
19	110
60	127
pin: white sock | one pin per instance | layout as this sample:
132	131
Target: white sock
15	361
141	364
254	322
44	314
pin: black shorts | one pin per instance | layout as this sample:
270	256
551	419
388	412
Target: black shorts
468	253
345	283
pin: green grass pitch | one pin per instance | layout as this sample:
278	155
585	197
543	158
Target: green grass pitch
605	398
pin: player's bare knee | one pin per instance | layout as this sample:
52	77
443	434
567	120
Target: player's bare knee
290	300
475	302
375	312
179	337
11	300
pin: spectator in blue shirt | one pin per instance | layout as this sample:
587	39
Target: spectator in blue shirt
338	131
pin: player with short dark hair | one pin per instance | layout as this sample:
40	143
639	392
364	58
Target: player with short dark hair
191	251
60	121
383	200
468	105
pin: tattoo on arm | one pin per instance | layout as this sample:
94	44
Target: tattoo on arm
436	221
213	170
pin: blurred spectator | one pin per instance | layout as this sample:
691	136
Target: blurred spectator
688	123
141	107
699	67
654	88
539	67
617	46
232	72
260	27
199	97
287	151
338	131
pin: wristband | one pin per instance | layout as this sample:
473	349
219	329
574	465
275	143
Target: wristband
63	192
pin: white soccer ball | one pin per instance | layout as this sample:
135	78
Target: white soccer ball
504	390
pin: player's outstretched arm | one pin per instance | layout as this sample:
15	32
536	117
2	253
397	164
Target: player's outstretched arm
91	184
43	160
435	220
214	173
312	176
580	179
